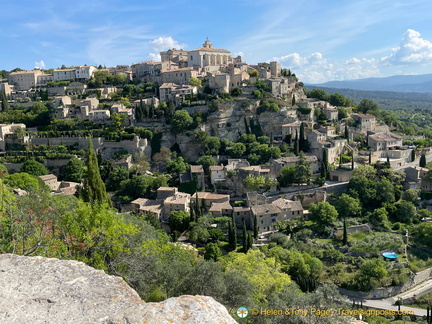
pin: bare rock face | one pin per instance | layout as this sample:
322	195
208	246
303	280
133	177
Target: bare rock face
42	290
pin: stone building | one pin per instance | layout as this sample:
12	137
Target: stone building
24	80
206	56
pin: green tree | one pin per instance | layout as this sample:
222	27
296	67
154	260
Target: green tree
181	121
347	206
303	143
117	121
262	271
212	252
406	212
411	195
255	227
74	170
303	171
422	162
206	161
322	213
244	238
237	150
319	94
368	106
370	271
345	233
212	145
195	82
26	181
379	217
4	102
288	176
116	176
179	220
34	168
236	91
93	190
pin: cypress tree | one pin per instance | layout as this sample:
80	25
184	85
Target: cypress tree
296	145
352	160
232	231
255	227
370	157
413	155
250	241
345	233
422	162
245	243
246	126
4	104
346	132
324	165
94	190
230	235
302	144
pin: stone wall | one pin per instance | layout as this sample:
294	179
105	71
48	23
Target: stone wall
386	292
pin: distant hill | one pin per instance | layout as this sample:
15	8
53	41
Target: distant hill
397	83
388	100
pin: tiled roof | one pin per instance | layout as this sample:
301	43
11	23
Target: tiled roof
265	209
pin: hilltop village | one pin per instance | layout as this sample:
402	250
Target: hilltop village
228	156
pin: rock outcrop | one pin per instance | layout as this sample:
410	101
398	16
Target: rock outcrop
45	290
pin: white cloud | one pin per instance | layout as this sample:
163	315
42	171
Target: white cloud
317	69
413	49
40	65
160	44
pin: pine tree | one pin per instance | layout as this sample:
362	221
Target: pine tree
94	190
422	162
255	227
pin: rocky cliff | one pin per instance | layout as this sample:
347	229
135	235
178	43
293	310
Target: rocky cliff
41	290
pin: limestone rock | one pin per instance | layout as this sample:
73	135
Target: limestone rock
43	290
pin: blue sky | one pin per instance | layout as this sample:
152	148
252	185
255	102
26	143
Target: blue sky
318	40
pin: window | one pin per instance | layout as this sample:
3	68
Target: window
191	58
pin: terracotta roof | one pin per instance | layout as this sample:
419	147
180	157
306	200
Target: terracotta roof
196	168
140	201
179	198
216	206
365	116
216	167
241	209
209	196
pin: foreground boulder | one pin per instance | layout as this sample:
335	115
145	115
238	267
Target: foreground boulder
43	290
